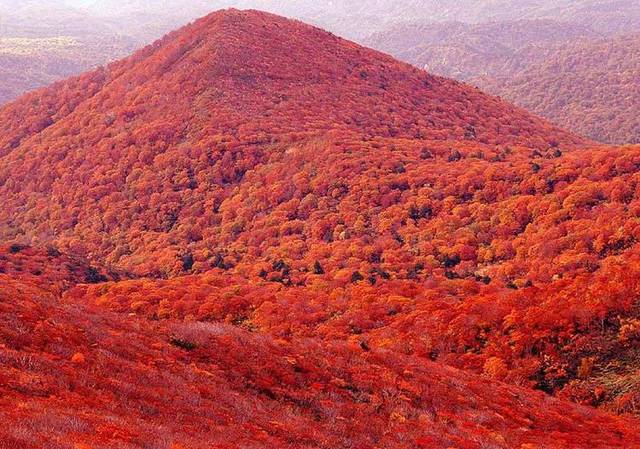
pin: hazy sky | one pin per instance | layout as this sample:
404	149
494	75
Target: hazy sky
354	19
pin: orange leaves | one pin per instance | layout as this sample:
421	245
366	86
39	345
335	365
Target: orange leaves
586	367
495	368
525	332
78	359
629	330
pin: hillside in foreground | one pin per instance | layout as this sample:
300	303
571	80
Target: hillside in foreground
256	233
75	376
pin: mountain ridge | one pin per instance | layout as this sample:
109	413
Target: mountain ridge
207	92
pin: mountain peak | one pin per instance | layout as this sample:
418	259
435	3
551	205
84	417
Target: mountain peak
249	74
220	95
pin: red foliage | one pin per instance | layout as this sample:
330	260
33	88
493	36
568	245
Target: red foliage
140	158
574	336
49	267
344	222
76	376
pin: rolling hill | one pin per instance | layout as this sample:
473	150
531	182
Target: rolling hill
259	234
589	87
566	73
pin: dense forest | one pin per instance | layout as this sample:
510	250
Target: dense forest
507	258
255	233
147	158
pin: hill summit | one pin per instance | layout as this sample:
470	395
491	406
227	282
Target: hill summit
242	74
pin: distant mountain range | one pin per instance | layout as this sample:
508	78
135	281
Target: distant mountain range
567	73
360	18
591	87
471	51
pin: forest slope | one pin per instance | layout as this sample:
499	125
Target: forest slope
117	161
276	172
389	244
